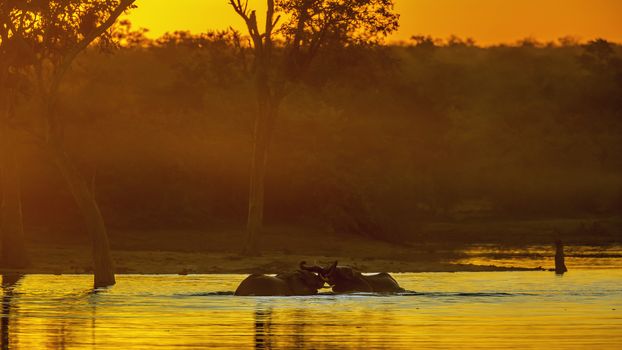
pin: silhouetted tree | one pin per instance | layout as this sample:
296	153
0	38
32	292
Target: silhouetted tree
13	252
598	54
600	48
425	42
48	36
295	32
126	36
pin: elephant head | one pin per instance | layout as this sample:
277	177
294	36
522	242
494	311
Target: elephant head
343	279
300	282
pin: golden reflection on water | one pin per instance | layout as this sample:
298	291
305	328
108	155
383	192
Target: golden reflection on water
577	257
512	310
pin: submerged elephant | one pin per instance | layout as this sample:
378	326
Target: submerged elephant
300	282
345	279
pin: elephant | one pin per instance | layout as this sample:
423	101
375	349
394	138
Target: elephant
344	279
300	282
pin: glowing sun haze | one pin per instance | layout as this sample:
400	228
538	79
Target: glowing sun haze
487	21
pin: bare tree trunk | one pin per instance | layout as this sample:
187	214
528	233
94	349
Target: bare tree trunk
266	113
14	253
103	268
560	264
261	138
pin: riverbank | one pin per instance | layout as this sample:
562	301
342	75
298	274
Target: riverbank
218	251
59	260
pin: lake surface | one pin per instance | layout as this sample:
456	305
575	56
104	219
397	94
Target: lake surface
472	310
577	257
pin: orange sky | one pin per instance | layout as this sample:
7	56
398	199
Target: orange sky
487	21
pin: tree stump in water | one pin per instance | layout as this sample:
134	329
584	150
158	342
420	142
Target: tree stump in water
560	265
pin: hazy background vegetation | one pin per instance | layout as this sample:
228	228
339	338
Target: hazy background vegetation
377	141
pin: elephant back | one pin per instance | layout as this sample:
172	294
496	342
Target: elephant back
262	285
383	283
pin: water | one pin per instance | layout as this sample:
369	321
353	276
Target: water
472	310
577	257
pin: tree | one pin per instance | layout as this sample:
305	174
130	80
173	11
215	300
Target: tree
295	32
46	36
13	252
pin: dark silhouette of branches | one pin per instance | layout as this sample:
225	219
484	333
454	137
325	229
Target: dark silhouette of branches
45	37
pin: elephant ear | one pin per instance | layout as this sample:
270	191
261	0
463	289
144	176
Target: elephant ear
331	268
302	283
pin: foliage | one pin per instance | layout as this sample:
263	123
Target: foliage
397	137
373	139
333	22
44	37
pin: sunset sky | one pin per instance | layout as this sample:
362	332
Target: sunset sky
487	21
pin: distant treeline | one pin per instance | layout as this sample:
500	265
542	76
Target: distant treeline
374	140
